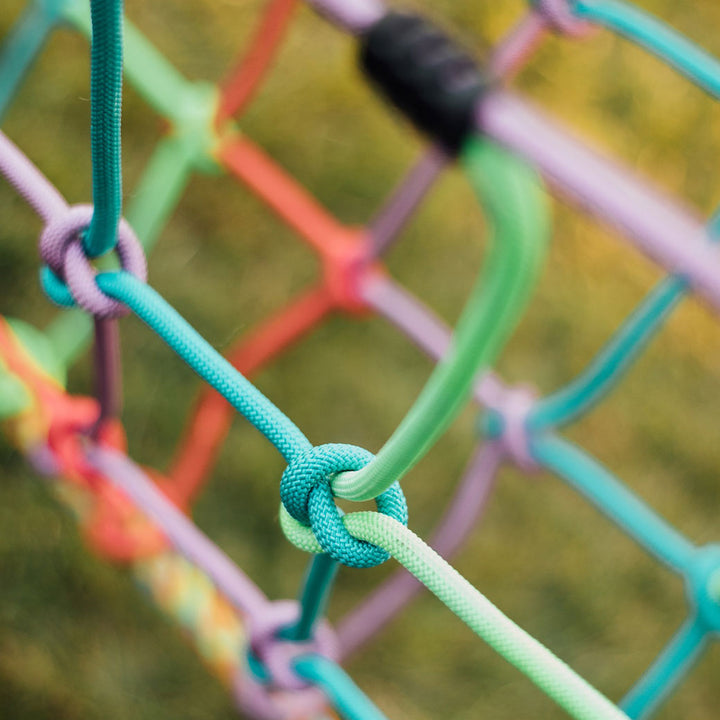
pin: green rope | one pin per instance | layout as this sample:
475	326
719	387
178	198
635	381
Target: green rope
14	397
516	206
556	679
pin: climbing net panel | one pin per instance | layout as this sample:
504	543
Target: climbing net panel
281	658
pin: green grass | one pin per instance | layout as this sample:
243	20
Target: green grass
76	639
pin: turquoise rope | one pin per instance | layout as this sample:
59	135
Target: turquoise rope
666	672
618	355
23	44
317	586
106	63
340	690
153	201
612	498
612	363
655	36
153	310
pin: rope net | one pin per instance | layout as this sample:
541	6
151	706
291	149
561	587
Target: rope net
280	657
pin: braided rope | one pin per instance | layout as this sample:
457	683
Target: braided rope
550	674
105	101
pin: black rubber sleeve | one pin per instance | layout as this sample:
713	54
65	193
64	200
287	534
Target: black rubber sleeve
426	74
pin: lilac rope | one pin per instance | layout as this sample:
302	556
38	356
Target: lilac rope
355	16
184	535
58	217
655	223
559	15
386	225
61	233
61	248
30	183
460	518
511	53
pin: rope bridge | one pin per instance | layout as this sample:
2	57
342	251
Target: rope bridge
281	658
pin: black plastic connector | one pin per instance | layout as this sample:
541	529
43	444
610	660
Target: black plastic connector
426	74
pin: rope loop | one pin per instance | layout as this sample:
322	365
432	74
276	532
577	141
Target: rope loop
267	646
559	14
306	494
68	278
269	688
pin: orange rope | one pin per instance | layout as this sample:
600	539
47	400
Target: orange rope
281	192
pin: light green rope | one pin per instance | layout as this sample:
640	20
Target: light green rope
515	204
14	397
548	672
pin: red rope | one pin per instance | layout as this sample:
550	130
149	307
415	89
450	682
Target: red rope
245	80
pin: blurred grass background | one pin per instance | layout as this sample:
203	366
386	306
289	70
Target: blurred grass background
76	639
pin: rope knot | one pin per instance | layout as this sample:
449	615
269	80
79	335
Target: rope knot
306	494
68	278
270	688
560	16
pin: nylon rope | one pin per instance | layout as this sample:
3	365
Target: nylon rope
515	205
550	674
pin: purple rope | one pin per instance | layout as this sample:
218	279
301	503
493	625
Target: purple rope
61	248
184	535
355	16
108	374
62	227
32	185
510	54
559	15
460	518
386	225
655	223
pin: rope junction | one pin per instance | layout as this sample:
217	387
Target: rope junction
281	658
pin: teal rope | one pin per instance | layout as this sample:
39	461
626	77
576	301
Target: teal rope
655	36
615	359
340	690
666	672
153	310
613	499
317	586
310	469
153	201
106	63
23	44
